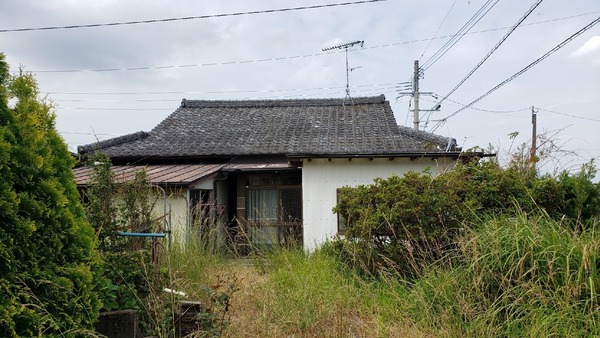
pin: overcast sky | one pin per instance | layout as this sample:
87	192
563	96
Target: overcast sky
90	72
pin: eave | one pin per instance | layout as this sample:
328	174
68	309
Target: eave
412	155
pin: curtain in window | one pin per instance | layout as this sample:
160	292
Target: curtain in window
262	205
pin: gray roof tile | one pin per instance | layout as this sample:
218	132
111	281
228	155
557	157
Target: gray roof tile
265	127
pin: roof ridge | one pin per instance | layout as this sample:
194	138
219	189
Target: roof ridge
185	103
112	142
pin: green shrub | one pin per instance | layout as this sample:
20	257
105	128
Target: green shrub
581	201
123	207
400	222
49	265
404	224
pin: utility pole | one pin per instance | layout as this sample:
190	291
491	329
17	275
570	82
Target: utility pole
416	96
532	157
415	93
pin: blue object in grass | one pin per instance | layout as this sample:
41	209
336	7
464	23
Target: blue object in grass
140	234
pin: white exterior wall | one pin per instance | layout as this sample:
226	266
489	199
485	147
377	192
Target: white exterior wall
178	218
322	177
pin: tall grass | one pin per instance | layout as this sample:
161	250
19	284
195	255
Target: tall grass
293	293
536	276
520	276
189	272
288	292
193	262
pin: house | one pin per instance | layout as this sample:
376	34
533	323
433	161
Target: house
270	168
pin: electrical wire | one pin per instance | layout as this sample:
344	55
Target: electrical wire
437	30
117	109
283	58
393	84
569	115
208	64
517	74
81	133
197	17
485	8
426	118
494	111
456	38
510	31
96	100
364	89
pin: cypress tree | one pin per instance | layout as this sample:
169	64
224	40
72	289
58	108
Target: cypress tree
48	265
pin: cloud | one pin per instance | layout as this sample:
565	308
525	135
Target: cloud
278	55
591	45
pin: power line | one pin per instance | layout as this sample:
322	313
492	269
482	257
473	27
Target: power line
81	133
494	111
208	64
393	84
197	17
483	30
485	8
570	115
283	58
327	94
510	31
438	29
169	109
136	100
518	111
517	74
116	109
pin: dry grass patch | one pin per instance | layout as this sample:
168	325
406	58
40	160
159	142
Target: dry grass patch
291	294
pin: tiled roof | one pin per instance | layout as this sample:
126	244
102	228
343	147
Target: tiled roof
431	140
266	127
182	174
112	142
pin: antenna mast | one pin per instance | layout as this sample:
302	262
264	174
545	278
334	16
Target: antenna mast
348	70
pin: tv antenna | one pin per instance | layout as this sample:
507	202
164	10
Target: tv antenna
345	46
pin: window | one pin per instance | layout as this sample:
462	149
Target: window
274	205
291	204
274	208
262	205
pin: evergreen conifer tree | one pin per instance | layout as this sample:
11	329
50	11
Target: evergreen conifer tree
48	264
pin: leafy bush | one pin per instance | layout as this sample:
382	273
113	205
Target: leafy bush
403	224
49	265
581	199
400	222
124	207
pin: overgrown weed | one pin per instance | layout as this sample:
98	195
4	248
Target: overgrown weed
522	276
288	292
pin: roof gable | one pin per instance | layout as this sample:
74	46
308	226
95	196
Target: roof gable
273	127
